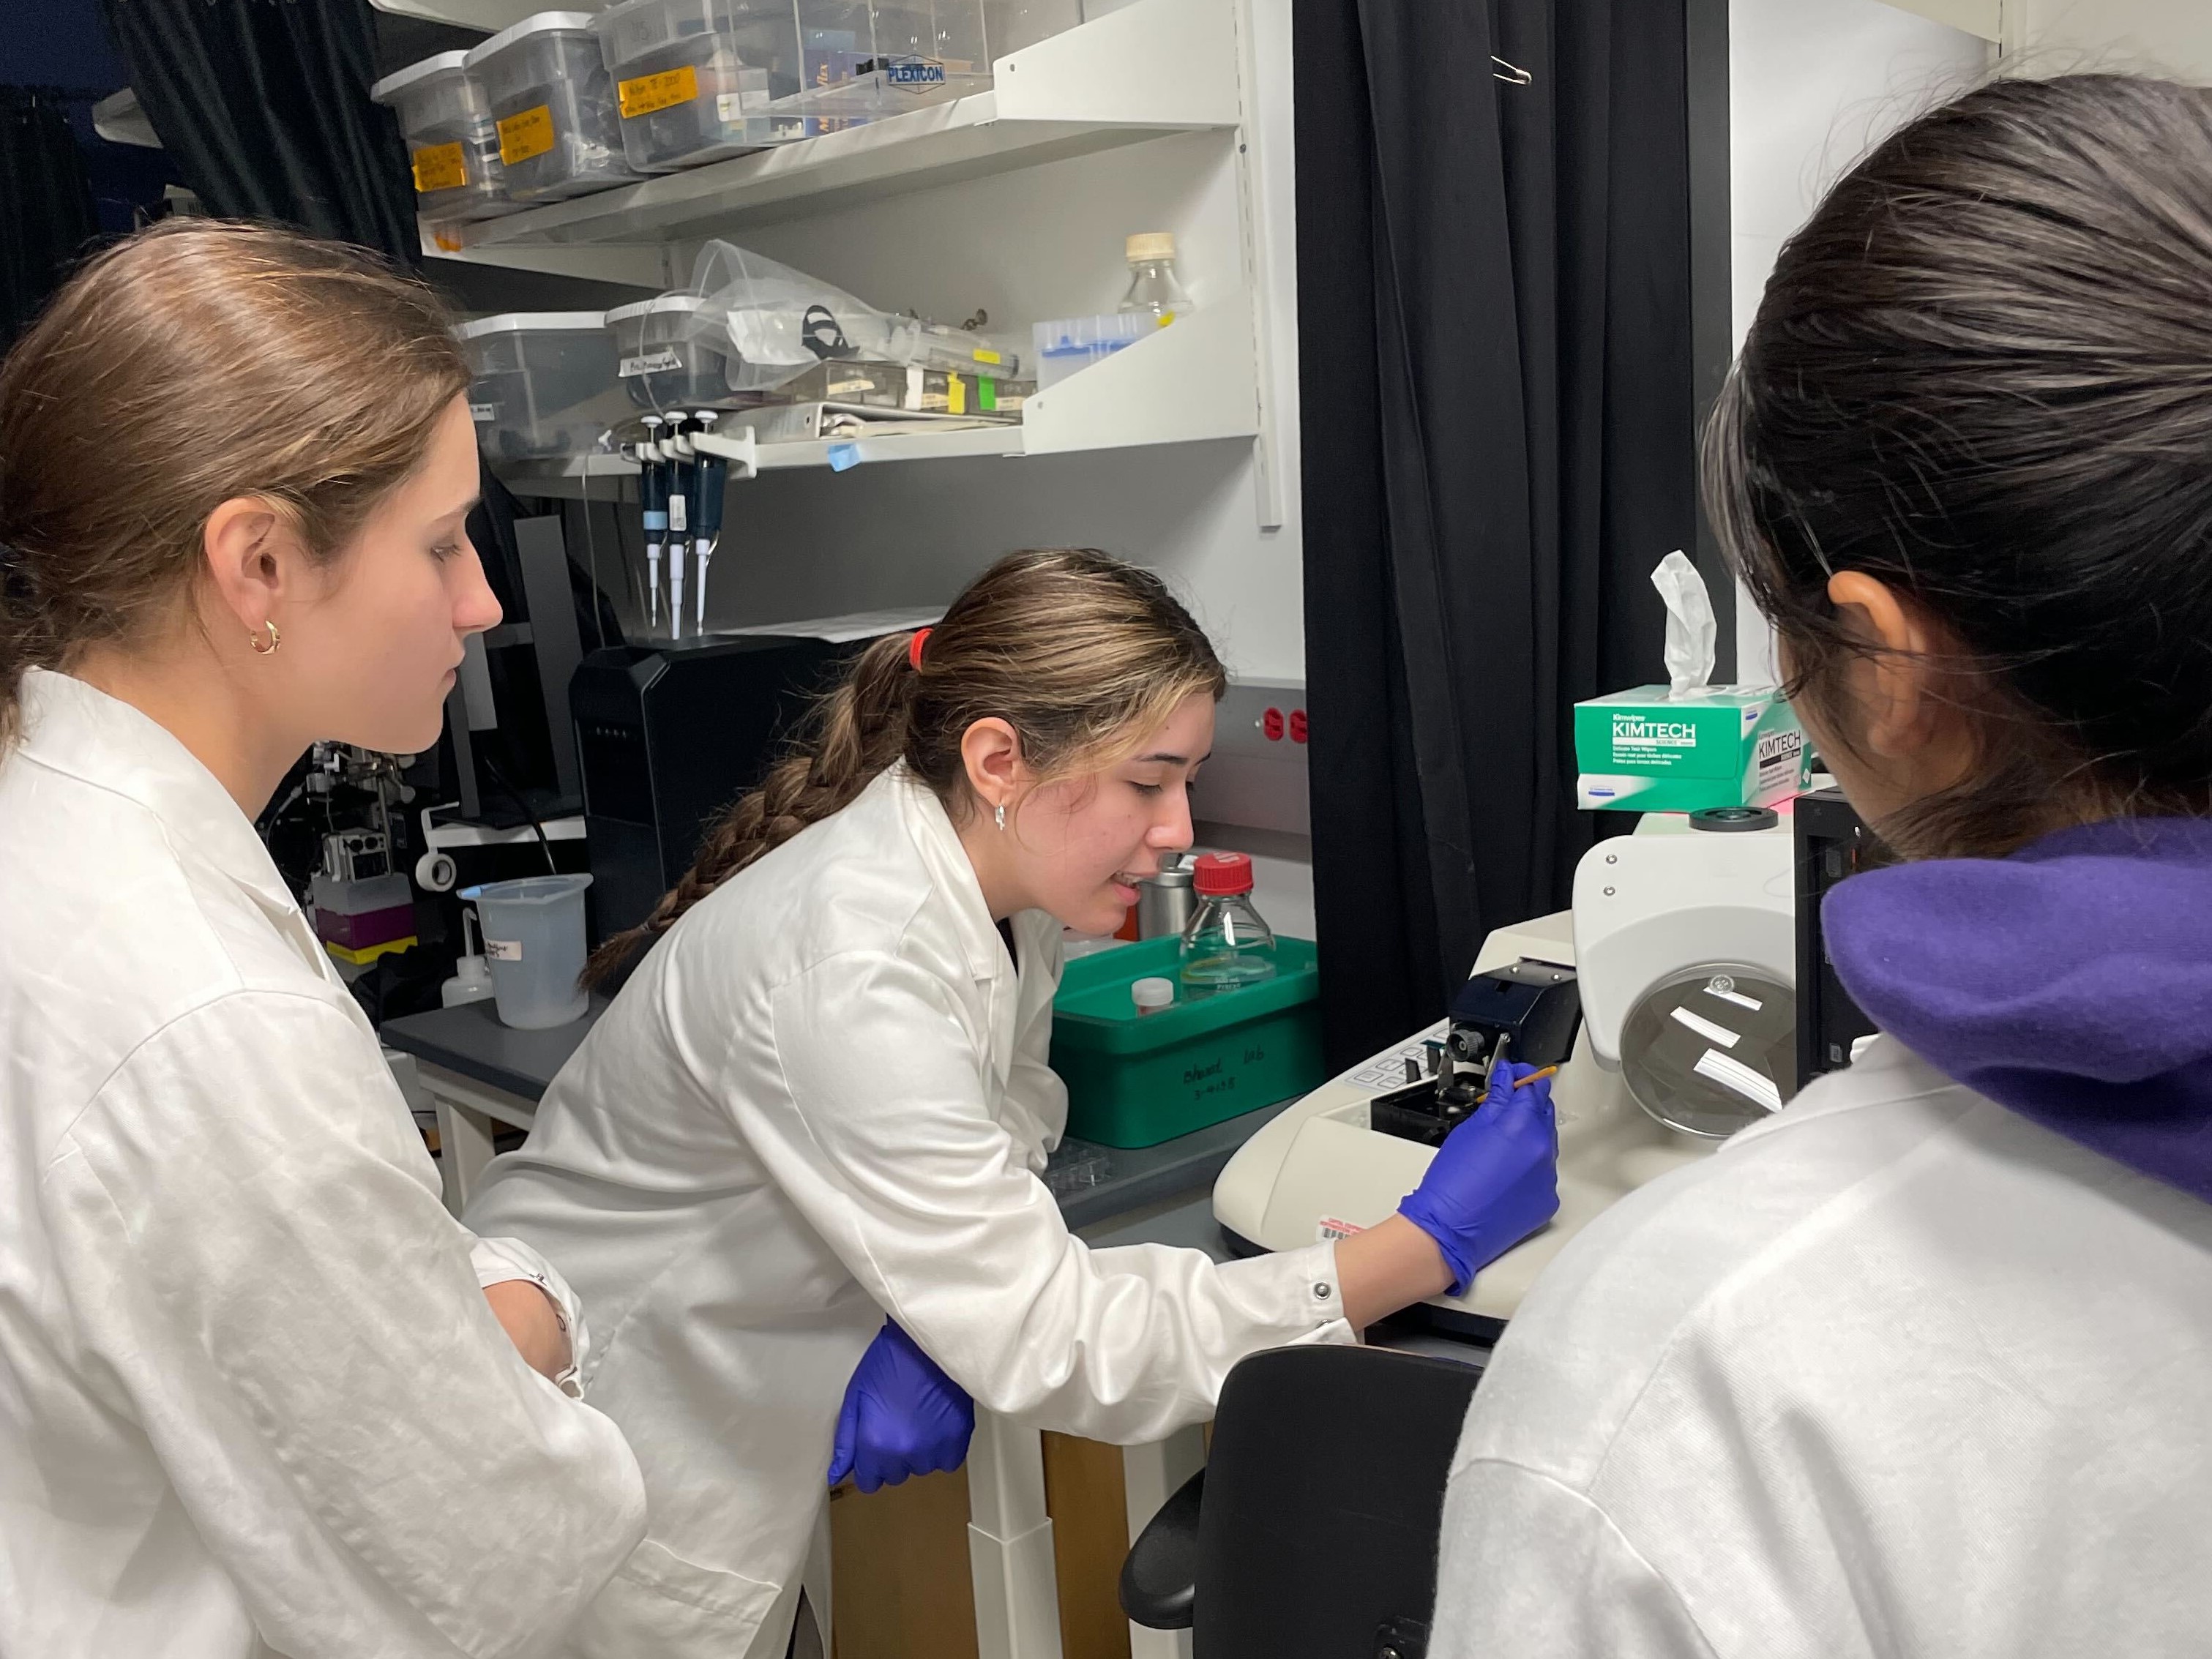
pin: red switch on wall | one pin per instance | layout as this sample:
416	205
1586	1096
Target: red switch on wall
1297	726
1271	724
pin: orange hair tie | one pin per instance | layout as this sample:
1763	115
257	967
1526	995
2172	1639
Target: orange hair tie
913	647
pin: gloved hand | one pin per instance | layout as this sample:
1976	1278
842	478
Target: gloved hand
902	1416
1494	1181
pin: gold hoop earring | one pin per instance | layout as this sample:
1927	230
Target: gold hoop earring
1002	815
275	640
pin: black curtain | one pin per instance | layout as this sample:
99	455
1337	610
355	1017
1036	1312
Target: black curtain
46	212
264	103
1495	328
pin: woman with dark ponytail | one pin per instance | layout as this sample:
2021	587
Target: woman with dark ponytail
1919	1365
796	1163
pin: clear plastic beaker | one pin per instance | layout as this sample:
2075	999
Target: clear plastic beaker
533	938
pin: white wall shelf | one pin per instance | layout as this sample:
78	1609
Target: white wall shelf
121	119
1146	71
1983	18
1189	383
1154	115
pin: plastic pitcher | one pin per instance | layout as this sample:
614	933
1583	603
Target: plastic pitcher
533	938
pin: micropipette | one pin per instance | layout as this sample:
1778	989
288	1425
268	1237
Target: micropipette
706	513
653	489
679	529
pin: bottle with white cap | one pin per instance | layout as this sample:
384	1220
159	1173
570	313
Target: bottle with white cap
1153	290
471	980
1152	995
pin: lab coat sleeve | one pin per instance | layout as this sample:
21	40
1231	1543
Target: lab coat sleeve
1527	1566
882	1139
502	1260
1035	1107
265	1280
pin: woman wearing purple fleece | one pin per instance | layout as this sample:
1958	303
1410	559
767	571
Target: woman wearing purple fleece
1922	1364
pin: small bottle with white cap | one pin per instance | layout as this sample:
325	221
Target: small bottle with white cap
1152	995
1153	290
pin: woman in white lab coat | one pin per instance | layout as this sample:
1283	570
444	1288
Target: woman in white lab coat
822	1099
1920	1364
255	1393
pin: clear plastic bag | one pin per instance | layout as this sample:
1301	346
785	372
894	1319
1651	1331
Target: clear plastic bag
773	323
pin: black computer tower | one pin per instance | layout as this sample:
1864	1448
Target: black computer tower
669	734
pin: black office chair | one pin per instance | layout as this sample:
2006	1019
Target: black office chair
1311	1533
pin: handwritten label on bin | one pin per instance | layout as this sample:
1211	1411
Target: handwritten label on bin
439	166
648	93
531	133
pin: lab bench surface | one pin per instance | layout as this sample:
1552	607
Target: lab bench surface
471	1040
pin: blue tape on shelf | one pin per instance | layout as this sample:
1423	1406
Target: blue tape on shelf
843	457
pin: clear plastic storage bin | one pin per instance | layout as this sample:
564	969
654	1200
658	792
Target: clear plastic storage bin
866	59
694	79
553	102
1011	25
451	140
660	364
545	383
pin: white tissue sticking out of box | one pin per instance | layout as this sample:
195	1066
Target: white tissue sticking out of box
1691	632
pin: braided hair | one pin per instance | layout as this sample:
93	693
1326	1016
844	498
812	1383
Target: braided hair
1079	652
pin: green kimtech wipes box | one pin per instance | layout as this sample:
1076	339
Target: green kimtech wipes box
1136	1080
1650	750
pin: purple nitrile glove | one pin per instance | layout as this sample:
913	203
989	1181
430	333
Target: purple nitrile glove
1494	1181
902	1416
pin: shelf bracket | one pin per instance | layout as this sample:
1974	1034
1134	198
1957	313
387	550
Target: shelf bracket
738	448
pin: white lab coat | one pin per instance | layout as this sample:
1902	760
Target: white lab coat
251	1399
824	1098
1896	1372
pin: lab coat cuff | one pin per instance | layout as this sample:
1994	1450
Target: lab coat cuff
1317	1269
502	1260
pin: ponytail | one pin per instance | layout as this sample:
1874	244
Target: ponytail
1078	652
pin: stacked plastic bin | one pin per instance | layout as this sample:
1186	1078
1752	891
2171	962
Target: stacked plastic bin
553	104
452	145
698	80
660	357
566	103
544	384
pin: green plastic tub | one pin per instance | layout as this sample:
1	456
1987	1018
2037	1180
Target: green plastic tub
1137	1080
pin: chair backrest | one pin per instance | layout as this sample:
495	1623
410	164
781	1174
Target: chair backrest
1324	1493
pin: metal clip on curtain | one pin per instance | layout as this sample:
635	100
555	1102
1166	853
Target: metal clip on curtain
1514	72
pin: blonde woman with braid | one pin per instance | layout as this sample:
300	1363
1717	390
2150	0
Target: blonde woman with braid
794	1168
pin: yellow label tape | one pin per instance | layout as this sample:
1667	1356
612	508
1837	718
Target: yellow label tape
439	166
531	133
956	395
649	93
